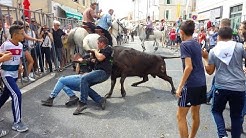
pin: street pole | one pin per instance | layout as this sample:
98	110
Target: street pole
147	8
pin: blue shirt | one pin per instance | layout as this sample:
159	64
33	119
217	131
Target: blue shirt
213	39
105	21
192	49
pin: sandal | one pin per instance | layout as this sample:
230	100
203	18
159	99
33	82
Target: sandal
3	133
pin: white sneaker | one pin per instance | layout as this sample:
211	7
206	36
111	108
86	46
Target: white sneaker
25	79
31	79
31	75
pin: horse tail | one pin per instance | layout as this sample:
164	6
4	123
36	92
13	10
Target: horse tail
70	39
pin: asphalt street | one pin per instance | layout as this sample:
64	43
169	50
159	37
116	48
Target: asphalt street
147	111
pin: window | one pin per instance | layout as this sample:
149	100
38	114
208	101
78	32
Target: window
168	1
235	16
167	14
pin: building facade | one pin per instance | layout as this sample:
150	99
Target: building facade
170	10
216	10
60	8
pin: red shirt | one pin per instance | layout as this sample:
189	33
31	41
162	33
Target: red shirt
172	35
201	37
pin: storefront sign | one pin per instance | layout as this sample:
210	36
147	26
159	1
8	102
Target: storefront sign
211	14
6	2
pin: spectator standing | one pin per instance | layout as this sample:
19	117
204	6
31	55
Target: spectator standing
191	91
230	88
57	36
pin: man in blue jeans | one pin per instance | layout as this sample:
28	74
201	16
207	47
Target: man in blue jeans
101	73
227	58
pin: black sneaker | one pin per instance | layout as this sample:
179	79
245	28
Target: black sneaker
81	106
102	103
72	101
48	102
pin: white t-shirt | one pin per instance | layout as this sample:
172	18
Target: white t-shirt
10	67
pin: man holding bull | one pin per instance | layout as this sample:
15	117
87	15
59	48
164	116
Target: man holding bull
101	73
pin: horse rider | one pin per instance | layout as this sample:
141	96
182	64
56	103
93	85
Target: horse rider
162	25
149	27
88	16
104	23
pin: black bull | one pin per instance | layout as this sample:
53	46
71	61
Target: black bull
130	62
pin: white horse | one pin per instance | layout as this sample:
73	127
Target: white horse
90	41
156	36
75	40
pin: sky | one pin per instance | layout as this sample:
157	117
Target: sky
121	7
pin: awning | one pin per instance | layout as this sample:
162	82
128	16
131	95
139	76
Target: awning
71	13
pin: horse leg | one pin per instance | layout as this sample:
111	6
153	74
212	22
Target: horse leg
122	79
156	47
145	78
168	79
142	44
113	81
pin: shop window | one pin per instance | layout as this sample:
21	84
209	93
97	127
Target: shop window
167	14
235	16
168	1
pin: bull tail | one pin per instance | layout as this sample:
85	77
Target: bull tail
169	57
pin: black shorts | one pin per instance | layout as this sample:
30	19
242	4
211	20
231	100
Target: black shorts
192	96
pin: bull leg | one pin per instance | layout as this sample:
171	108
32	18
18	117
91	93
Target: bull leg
145	78
122	79
113	81
169	79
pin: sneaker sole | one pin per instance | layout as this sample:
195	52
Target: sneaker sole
24	130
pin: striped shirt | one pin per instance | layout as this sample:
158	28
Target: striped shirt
10	67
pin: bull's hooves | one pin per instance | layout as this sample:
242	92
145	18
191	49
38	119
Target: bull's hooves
123	95
134	85
173	92
107	96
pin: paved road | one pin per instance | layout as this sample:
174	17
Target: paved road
147	111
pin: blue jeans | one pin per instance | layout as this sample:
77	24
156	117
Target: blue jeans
68	84
244	111
88	80
236	101
211	92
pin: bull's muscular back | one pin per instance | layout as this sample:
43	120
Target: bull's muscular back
136	63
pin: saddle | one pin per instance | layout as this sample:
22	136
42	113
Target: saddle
87	28
97	31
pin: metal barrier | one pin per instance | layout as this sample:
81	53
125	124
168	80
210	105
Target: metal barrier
39	19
